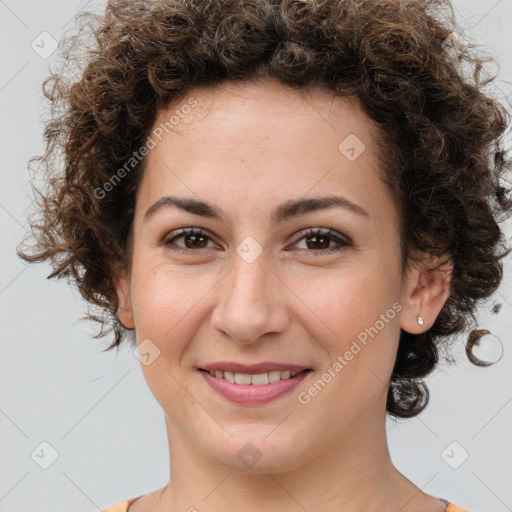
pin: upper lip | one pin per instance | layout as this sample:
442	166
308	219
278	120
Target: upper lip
264	367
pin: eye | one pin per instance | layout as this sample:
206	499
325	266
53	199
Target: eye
194	239
318	240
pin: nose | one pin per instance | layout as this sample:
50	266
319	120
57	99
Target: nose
251	301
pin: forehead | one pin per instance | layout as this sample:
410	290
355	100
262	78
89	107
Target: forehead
271	108
266	141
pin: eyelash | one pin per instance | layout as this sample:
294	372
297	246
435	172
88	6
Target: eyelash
324	232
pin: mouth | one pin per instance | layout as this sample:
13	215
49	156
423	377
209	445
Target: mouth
255	379
252	385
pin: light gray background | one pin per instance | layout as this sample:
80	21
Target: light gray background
95	408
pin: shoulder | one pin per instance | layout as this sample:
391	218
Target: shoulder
121	507
451	507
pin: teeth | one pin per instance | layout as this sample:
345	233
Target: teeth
242	378
259	378
229	376
274	376
256	379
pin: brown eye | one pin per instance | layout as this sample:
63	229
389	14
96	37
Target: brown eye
193	239
318	241
196	241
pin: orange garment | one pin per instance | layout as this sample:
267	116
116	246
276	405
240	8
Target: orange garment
451	507
123	506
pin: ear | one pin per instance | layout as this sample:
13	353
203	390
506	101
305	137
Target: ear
124	310
426	291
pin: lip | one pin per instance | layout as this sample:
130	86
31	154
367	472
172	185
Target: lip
230	366
250	394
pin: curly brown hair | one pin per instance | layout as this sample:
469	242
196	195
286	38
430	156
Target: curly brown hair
441	149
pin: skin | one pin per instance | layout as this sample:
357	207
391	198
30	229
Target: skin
246	148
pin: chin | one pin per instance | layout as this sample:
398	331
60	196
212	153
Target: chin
253	450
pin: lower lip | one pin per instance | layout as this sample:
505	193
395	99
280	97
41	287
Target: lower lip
251	394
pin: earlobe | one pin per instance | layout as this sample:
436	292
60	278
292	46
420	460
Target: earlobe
427	292
124	310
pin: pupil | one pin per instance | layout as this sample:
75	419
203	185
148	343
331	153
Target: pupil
194	239
316	239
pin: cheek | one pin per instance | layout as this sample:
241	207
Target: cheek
167	310
165	292
354	316
360	331
166	302
345	302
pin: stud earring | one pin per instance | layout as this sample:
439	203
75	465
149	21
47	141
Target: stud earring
420	320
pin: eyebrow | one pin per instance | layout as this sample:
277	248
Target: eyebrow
285	211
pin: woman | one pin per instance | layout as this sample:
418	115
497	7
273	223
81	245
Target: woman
292	204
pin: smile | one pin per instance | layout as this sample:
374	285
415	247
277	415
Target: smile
256	379
253	388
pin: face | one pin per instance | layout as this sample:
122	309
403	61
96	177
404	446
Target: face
270	275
